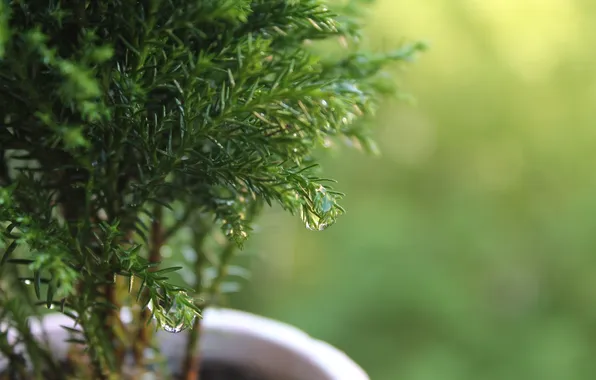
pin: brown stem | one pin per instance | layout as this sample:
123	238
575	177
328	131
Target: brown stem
192	361
222	272
156	242
70	201
110	290
112	318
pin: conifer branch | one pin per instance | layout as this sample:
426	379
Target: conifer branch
111	111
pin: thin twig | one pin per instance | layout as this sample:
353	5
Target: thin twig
192	362
222	272
156	242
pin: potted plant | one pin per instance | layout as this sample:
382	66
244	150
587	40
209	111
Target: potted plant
128	126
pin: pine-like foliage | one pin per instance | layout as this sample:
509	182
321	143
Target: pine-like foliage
116	115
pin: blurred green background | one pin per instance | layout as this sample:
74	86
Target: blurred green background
469	248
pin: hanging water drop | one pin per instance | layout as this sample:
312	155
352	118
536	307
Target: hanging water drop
173	329
326	204
323	200
170	316
179	324
312	221
316	227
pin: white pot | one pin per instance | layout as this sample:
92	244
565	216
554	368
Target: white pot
275	349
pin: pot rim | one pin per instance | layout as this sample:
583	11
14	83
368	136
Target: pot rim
275	347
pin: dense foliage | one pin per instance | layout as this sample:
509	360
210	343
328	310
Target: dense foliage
117	116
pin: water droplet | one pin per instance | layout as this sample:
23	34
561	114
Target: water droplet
173	329
312	221
323	201
170	316
27	282
316	227
326	205
324	103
